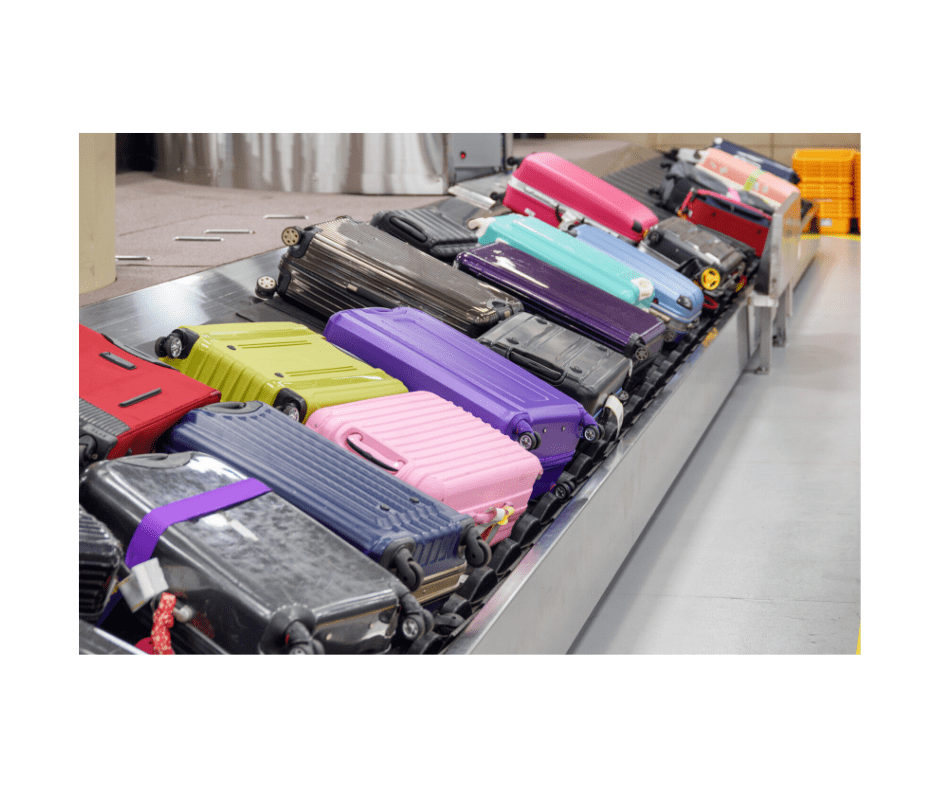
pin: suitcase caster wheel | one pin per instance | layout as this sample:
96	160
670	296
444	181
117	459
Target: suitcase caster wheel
265	287
563	490
413	627
529	441
478	551
591	433
670	335
641	354
652	237
169	347
408	570
290	236
291	409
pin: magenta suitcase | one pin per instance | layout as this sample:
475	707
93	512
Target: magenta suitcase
442	450
741	174
560	193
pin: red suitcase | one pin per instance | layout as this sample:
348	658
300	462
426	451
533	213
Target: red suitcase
561	193
127	401
716	212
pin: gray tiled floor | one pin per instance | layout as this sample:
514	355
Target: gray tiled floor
756	548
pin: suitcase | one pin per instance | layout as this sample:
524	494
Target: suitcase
431	356
92	640
765	163
345	264
250	571
426	543
681	176
741	174
569	301
677	300
558	192
439	230
99	559
715	212
450	454
284	364
126	400
586	371
566	253
718	267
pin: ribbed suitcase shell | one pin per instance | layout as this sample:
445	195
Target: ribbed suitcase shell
363	504
778	169
742	174
125	401
99	556
427	229
345	264
568	301
567	254
547	186
585	370
439	448
265	361
431	356
711	210
670	285
250	569
692	249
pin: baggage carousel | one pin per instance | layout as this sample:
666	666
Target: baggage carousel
540	606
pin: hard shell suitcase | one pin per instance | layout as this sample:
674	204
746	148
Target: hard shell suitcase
559	249
682	175
765	163
426	543
586	371
717	266
677	300
432	356
92	640
569	301
284	364
741	174
711	210
439	230
439	448
250	571
125	400
558	192
345	264
99	558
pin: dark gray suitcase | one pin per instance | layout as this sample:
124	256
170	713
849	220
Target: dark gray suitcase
439	230
345	264
582	368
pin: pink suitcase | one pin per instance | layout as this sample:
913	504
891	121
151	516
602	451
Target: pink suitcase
561	194
740	174
442	450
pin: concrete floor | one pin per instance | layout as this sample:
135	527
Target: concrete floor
756	547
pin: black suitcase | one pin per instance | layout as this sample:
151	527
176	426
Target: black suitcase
346	264
439	230
582	368
99	559
251	572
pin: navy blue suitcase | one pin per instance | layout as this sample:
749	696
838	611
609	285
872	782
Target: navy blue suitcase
426	543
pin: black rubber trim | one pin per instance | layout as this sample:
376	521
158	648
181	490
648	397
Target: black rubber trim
139	398
121	362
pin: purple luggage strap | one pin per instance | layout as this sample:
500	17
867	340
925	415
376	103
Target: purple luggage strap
151	528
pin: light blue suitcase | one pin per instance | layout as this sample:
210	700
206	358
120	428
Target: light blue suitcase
557	248
678	300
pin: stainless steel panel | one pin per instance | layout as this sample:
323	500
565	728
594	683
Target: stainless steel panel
542	605
343	163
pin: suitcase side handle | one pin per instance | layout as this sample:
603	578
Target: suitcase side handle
370	457
407	227
543	369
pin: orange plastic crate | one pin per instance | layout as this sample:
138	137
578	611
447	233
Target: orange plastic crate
823	190
858	184
834	226
824	164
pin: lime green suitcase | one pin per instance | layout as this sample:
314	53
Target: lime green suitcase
285	365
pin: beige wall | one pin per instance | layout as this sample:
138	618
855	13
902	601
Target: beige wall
96	154
779	147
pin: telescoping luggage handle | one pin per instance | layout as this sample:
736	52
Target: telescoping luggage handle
151	527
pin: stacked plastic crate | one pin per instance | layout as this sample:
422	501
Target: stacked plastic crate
828	175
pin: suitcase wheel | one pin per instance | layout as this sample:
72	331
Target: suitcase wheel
414	626
170	346
591	433
408	570
265	286
291	236
291	409
670	335
653	237
529	441
478	551
642	353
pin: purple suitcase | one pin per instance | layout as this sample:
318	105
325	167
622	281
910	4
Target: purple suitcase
429	355
568	301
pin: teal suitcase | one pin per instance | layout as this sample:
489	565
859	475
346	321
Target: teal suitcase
558	249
